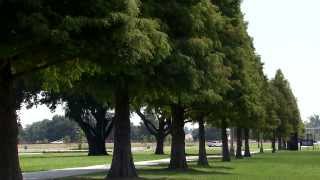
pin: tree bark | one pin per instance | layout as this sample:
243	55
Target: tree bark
9	159
293	142
122	165
280	143
97	147
261	143
161	135
239	143
246	143
202	160
96	144
178	155
225	143
273	143
232	151
159	148
284	144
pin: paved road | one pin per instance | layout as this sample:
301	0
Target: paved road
60	173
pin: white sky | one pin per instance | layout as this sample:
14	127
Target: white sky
39	113
286	34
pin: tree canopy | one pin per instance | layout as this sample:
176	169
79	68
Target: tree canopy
187	60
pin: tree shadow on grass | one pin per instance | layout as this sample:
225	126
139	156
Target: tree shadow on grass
65	156
188	172
162	173
253	159
208	154
222	167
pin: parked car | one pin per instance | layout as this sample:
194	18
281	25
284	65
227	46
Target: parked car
214	144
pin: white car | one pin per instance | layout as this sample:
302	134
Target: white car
214	144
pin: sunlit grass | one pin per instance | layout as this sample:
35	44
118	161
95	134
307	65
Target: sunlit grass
48	161
281	166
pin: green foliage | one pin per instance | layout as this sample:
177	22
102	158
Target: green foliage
272	120
195	56
287	108
230	8
194	71
241	105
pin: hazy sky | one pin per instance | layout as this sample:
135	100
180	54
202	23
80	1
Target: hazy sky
286	34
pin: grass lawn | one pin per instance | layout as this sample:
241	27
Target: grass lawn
47	161
281	166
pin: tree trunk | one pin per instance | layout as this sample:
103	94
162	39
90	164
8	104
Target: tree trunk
9	159
225	143
284	144
274	143
202	161
279	143
122	165
232	151
178	155
246	143
239	144
100	133
160	137
96	144
261	143
159	133
159	148
293	142
97	147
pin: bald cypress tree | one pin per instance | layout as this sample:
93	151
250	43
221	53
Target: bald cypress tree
194	71
272	120
202	155
241	103
287	111
136	46
40	35
30	41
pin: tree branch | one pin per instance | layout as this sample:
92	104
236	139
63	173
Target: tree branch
109	127
151	128
167	132
158	113
86	127
38	68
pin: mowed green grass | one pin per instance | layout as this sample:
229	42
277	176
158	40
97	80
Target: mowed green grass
48	161
303	165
